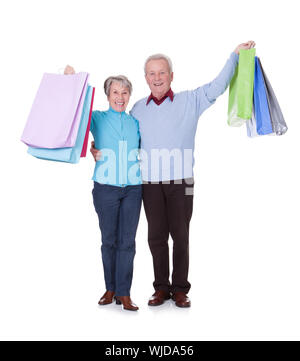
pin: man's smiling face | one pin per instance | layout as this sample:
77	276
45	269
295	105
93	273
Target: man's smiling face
158	77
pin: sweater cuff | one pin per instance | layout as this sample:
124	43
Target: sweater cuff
234	57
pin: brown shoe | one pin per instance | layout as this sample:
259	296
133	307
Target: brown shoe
181	299
107	298
158	298
127	303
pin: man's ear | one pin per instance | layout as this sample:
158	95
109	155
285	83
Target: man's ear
172	75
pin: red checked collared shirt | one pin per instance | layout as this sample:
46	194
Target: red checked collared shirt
169	94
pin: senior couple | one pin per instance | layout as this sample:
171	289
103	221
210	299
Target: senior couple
148	154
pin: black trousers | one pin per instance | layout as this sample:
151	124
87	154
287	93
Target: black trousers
169	208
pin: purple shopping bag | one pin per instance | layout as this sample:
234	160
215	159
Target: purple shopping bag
56	111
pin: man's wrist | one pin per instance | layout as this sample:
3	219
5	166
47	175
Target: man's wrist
234	56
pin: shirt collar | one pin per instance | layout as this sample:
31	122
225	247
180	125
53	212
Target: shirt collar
114	111
169	94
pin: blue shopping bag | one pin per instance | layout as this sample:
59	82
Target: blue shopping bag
277	119
261	107
69	154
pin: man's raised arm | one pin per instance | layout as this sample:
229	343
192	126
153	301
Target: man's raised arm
221	82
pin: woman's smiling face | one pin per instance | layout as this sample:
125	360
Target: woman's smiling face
118	97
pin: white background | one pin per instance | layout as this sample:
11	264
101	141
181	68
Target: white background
244	239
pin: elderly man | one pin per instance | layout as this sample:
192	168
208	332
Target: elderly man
168	123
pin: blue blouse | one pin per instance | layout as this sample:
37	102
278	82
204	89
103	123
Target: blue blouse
117	135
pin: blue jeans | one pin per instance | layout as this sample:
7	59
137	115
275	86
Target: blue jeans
118	210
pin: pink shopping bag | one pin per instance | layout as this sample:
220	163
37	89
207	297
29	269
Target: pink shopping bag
56	111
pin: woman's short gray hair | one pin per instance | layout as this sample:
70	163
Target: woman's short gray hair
120	79
157	57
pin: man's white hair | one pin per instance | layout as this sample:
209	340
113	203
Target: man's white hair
157	57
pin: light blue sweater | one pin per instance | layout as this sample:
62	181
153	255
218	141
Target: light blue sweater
168	130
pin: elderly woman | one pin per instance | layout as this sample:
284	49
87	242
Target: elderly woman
117	192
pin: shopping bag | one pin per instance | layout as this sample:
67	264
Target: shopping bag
86	138
278	123
69	154
241	89
54	118
262	113
251	125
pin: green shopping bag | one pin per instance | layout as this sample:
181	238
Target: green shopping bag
241	89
